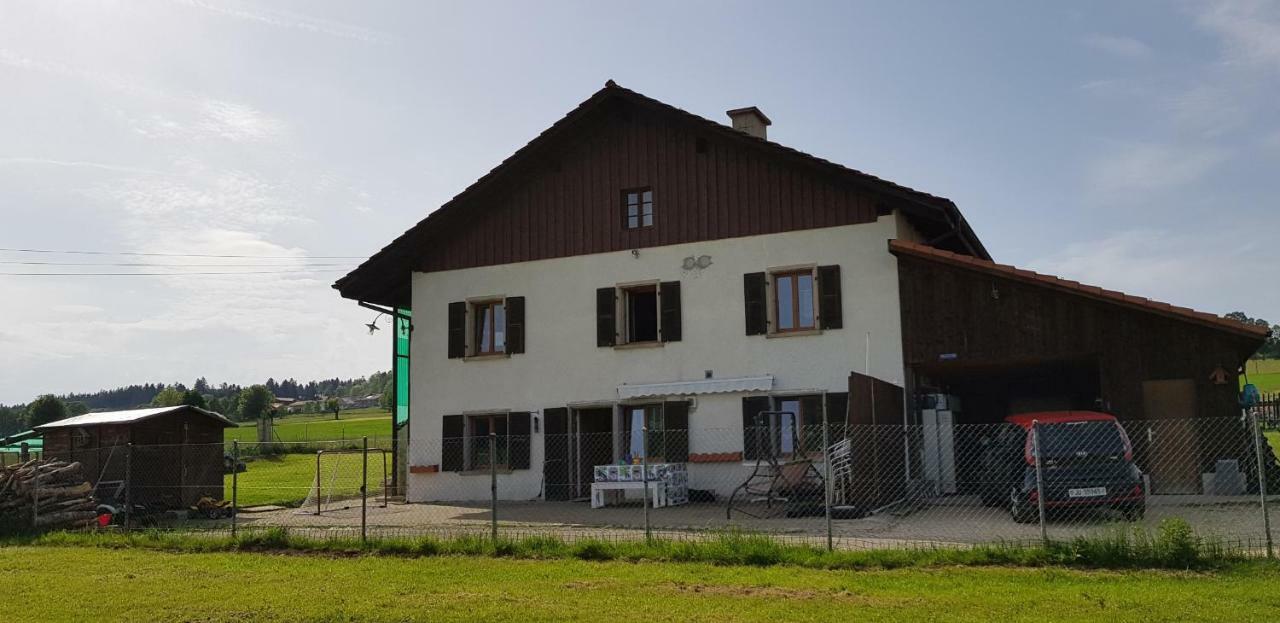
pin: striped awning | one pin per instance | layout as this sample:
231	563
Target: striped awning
694	388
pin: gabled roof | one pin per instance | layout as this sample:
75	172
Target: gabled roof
912	249
130	417
398	258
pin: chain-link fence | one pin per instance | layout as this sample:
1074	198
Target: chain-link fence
1021	481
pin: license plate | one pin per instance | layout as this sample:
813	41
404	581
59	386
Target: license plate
1087	492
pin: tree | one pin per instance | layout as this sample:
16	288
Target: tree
10	420
1270	349
45	409
255	401
168	397
333	404
194	398
75	407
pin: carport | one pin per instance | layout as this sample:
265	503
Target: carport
1003	341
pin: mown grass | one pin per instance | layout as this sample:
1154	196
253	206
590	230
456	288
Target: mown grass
1265	373
353	425
285	479
61	583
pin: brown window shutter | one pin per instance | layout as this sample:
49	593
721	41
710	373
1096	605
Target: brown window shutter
518	440
515	324
669	297
451	443
555	460
675	425
754	286
606	317
754	434
810	417
830	315
838	414
457	330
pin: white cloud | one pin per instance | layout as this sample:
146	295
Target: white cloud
1202	270
1129	169
291	20
1124	47
1250	29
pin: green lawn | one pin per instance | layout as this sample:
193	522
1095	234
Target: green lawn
285	479
353	424
1265	373
135	585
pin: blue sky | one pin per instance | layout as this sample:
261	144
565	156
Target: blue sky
1131	145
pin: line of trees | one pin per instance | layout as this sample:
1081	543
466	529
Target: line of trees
236	402
1271	348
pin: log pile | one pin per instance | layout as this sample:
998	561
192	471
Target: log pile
65	497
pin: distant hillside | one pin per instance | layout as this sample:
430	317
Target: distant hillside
141	395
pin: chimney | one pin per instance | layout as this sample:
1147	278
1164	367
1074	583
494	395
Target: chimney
750	120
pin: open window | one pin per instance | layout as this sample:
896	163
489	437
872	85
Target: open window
486	327
668	434
793	300
465	441
638	313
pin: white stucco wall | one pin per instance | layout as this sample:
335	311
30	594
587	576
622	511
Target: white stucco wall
562	364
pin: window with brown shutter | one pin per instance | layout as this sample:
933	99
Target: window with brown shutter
606	316
830	314
670	322
457	330
754	287
515	324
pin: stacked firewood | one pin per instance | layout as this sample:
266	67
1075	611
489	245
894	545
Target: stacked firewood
46	494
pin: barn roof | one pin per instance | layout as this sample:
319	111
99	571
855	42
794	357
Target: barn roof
913	249
369	281
132	416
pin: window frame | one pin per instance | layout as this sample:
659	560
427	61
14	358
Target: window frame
640	205
775	304
624	315
502	445
475	307
654	413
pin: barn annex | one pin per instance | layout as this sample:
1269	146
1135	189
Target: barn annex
636	263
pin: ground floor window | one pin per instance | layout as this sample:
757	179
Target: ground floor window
784	427
633	418
480	455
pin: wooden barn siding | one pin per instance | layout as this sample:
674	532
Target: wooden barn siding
949	310
570	203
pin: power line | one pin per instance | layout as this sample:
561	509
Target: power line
278	257
179	274
149	264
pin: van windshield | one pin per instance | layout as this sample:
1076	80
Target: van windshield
1089	438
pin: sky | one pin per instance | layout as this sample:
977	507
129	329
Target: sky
1130	145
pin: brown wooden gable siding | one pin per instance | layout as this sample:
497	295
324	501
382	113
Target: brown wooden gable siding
947	310
569	202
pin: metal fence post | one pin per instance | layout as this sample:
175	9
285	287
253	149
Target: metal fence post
493	485
128	487
1035	448
319	482
644	479
826	461
1262	482
235	484
364	490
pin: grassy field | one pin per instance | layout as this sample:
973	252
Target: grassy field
138	585
353	424
1265	373
285	479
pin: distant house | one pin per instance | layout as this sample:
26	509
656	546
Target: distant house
637	265
177	452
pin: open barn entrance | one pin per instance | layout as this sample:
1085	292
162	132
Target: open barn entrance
958	406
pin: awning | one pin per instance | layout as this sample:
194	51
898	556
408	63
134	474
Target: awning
693	388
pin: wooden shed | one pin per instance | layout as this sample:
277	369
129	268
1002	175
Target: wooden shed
177	454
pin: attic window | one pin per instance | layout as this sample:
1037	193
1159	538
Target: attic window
637	205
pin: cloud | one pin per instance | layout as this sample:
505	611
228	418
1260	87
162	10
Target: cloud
1250	29
1128	169
1200	269
1124	47
292	21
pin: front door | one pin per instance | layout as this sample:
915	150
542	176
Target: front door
1172	445
592	442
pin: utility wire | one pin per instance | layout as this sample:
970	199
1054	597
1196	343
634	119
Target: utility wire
278	257
245	272
149	264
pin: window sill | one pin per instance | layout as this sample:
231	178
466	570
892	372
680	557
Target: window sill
794	333
484	471
638	345
487	357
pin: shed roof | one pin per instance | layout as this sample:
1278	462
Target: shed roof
132	416
913	249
